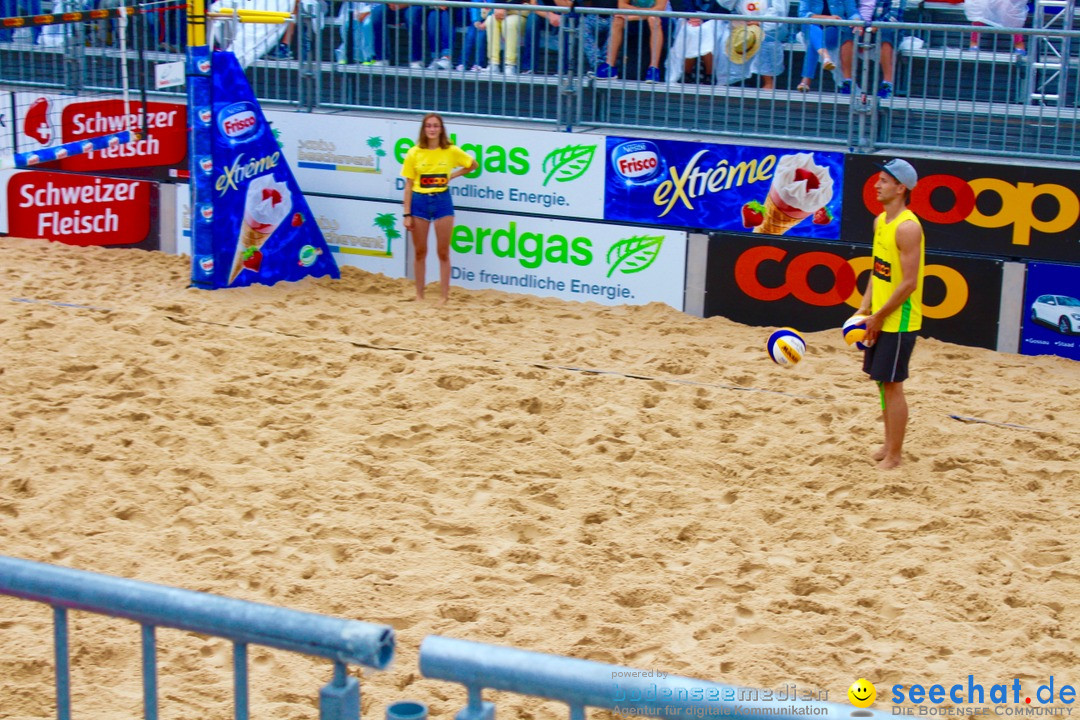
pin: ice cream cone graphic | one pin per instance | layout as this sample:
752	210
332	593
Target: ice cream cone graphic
779	216
266	204
799	188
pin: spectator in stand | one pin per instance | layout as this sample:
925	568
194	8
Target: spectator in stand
379	31
14	8
439	28
610	69
504	38
768	60
692	50
472	57
871	11
314	9
997	13
593	27
357	33
538	26
820	39
691	53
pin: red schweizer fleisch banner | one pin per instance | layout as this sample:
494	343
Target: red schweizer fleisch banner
78	209
165	143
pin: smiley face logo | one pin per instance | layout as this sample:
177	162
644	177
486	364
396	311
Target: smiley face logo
862	693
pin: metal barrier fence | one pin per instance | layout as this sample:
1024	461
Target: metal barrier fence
626	691
244	623
422	55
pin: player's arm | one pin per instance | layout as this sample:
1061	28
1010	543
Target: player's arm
908	242
407	204
868	294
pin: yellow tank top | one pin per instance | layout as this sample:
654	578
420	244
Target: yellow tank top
888	274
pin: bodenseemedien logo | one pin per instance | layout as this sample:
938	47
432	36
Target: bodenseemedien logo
633	254
568	163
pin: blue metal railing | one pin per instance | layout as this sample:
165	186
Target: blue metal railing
626	691
244	623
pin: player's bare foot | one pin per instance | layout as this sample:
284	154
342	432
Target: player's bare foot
443	301
879	454
888	463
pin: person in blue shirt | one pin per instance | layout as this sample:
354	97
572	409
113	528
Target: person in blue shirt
474	53
820	39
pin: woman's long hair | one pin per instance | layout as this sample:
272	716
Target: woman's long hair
444	140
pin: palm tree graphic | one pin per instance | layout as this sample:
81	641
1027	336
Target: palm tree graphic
387	223
375	143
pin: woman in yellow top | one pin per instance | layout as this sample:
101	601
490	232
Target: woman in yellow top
428	168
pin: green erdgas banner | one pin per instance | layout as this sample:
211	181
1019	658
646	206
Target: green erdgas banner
608	264
520	171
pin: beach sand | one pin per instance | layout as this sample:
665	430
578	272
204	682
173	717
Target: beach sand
330	447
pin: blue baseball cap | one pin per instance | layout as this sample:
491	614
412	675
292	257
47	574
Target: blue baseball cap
902	172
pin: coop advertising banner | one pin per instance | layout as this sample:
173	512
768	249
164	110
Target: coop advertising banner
1052	311
82	209
587	262
1012	211
734	188
364	234
520	171
815	286
261	227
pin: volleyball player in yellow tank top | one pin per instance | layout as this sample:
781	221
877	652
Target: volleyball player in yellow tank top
893	300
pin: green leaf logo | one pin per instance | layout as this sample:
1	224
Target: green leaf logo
568	163
634	254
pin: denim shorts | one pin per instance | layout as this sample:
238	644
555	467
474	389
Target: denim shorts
432	206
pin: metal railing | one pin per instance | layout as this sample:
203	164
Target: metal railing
946	97
626	691
244	623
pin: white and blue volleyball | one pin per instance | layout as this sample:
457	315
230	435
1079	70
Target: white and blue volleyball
786	347
854	330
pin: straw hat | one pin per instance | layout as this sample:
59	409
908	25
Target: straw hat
743	42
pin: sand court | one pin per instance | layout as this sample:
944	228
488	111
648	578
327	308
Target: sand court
330	447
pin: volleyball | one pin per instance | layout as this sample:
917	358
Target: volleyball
854	330
786	346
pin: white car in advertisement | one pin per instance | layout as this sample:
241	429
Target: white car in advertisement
1059	311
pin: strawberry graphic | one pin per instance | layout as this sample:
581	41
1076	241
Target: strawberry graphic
812	182
252	259
297	219
753	214
823	216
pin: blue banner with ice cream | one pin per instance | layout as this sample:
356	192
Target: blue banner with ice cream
260	227
735	188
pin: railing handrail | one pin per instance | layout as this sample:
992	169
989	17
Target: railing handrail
585	683
242	621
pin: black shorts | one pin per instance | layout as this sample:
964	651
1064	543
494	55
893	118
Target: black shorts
887	359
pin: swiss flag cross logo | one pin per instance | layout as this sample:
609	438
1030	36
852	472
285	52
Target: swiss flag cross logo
36	125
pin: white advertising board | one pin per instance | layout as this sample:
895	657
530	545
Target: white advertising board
5	175
363	234
521	171
337	155
587	262
183	219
